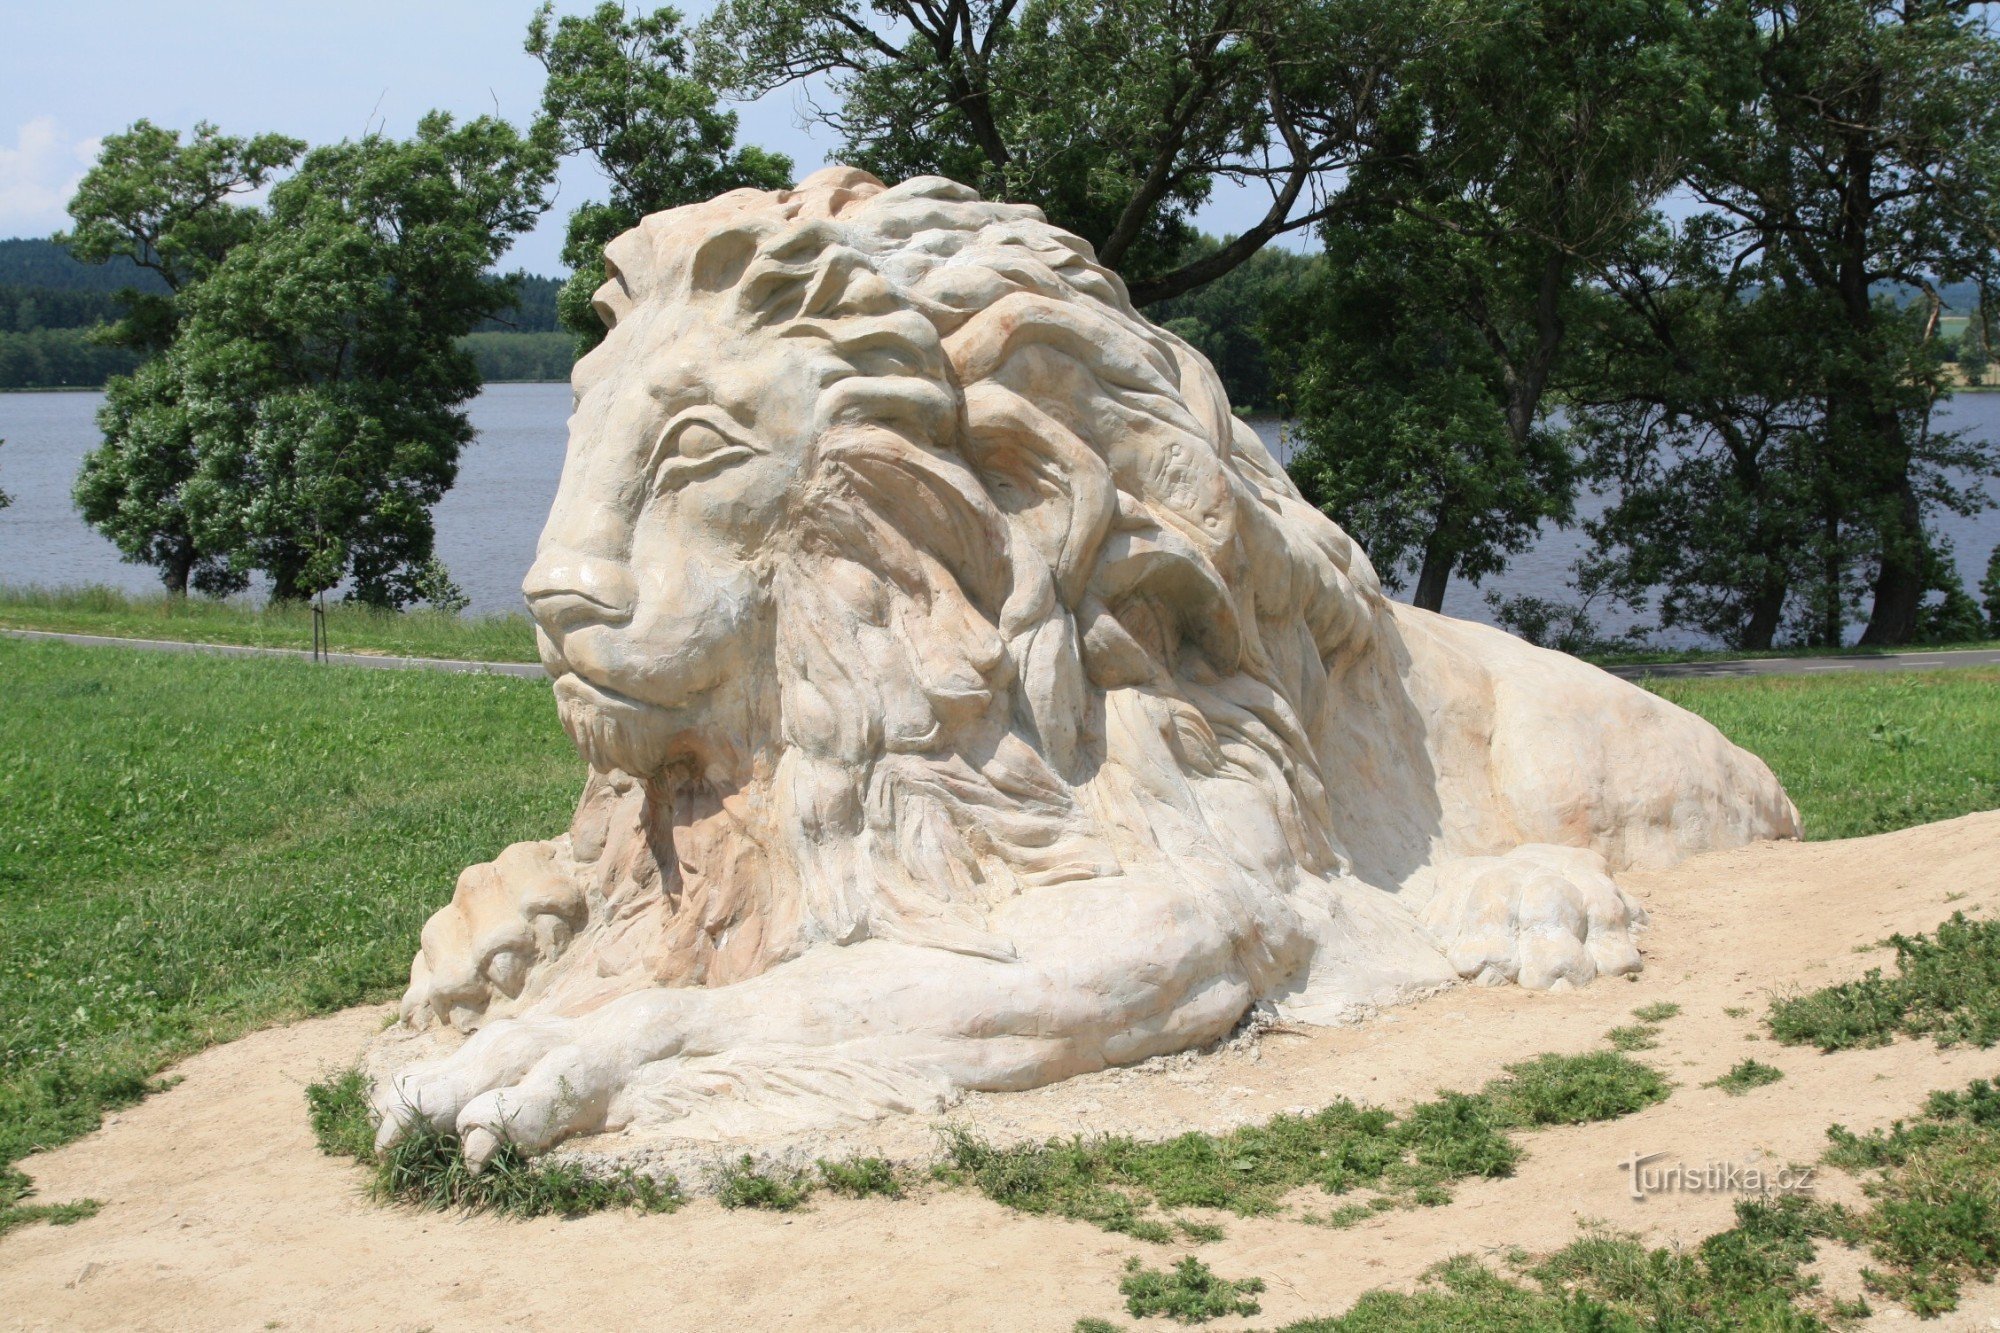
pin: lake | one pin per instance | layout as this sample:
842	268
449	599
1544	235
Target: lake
487	525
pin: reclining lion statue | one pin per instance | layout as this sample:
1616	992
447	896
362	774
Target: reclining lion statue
971	701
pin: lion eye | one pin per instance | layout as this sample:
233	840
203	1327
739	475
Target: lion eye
693	447
700	441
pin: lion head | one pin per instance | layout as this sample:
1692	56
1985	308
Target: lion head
896	542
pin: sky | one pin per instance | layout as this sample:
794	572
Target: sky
73	71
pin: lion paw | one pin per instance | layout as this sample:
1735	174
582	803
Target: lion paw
532	1082
1544	916
507	920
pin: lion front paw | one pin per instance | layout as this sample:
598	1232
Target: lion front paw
1544	916
507	920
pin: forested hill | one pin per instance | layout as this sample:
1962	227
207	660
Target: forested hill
49	302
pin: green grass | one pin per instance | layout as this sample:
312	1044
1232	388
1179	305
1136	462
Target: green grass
428	1169
744	1184
1634	1037
193	847
1864	752
1745	1075
1947	986
1933	1222
1188	1293
1657	1013
1132	1187
1644	655
350	628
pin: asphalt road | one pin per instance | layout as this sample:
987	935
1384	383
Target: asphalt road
1748	666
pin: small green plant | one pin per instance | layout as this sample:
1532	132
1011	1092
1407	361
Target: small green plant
1190	1292
1934	1219
741	1184
1656	1013
1577	1089
1735	1011
1745	1075
1947	987
15	1187
1094	1326
860	1177
427	1168
1634	1037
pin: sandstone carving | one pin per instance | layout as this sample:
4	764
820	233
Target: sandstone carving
971	701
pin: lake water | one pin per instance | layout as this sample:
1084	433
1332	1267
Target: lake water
487	525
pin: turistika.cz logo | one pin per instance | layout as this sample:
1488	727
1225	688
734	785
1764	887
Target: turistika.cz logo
1711	1177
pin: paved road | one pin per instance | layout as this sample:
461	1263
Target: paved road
1749	666
530	670
1807	666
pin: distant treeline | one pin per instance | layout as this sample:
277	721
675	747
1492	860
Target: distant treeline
49	302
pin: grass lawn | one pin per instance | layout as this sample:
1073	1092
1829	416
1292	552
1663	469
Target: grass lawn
191	847
1865	752
350	628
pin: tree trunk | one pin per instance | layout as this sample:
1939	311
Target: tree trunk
178	566
1435	574
1766	609
1899	584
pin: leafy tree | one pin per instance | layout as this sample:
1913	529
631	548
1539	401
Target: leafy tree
1866	156
169	207
1224	319
1116	117
1516	157
312	395
1695	407
619	89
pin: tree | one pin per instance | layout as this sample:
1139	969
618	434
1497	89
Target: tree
1694	406
1868	155
1115	117
1515	158
619	89
168	207
1224	319
312	394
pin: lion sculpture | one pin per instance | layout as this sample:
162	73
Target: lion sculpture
971	701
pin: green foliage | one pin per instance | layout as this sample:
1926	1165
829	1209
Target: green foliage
1189	1293
1745	1075
306	412
350	627
1815	733
1114	1182
1224	319
428	1169
166	206
14	1212
1633	1037
502	358
1115	119
860	1177
60	359
328	809
1658	1012
1749	1277
1934	1215
743	1184
619	90
1947	987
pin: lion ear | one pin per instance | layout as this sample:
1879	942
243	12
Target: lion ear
720	260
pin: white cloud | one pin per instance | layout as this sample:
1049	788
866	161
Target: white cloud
38	175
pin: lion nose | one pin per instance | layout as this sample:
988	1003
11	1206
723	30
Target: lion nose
567	590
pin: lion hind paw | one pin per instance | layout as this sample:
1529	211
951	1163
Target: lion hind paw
1542	916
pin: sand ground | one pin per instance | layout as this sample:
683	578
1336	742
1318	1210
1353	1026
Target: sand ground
220	1214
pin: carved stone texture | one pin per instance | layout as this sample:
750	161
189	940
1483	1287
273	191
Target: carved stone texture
971	701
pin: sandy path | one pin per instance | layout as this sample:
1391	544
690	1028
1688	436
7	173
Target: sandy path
221	1215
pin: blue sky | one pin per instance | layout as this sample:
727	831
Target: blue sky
72	71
